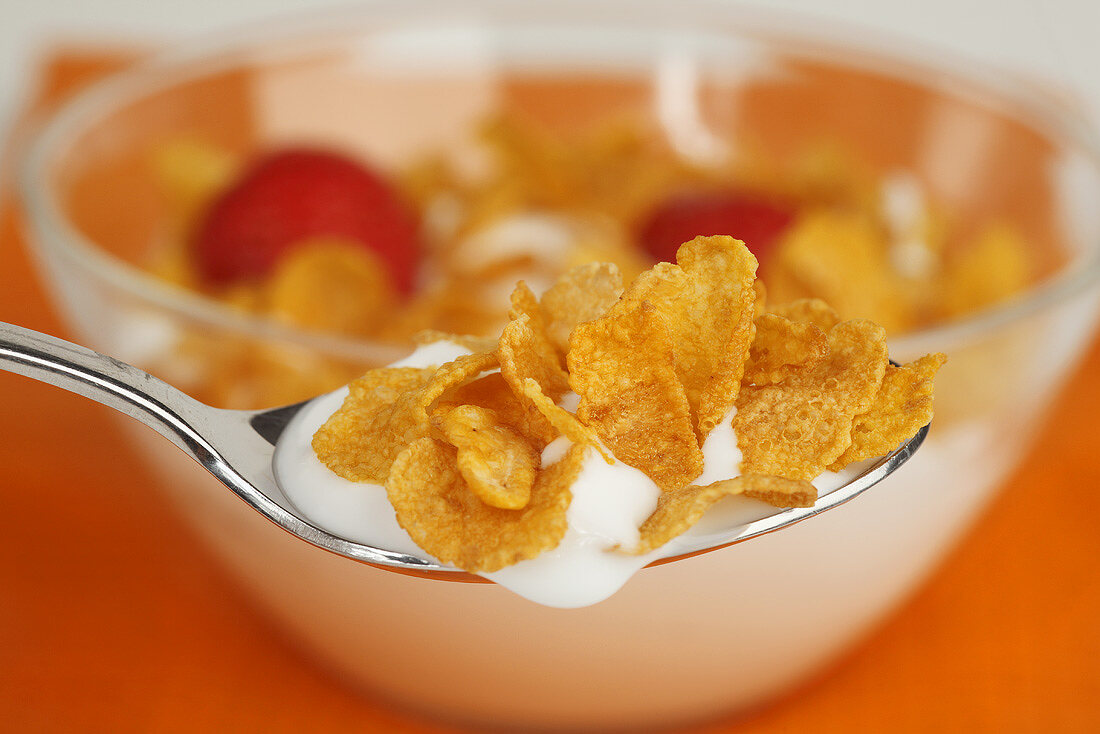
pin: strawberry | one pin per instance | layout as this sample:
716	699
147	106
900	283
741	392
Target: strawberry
290	196
753	218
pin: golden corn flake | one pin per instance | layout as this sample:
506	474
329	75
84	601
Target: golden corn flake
608	243
332	286
902	407
355	441
708	301
524	303
492	393
679	509
623	369
781	347
249	372
456	372
802	425
435	506
809	311
475	344
384	412
525	355
993	268
619	171
779	491
842	258
498	464
584	293
191	172
857	361
562	420
760	305
454	306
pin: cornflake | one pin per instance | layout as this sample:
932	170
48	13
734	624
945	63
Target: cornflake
498	464
707	302
623	368
517	200
383	413
654	369
799	426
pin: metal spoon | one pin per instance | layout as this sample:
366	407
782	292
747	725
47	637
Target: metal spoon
236	446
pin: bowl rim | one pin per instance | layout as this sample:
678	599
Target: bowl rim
1057	117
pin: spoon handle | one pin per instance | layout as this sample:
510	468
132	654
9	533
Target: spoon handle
108	381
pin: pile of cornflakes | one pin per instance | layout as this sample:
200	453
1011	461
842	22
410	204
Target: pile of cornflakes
655	368
518	202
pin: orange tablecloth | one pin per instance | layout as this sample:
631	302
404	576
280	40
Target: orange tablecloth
112	619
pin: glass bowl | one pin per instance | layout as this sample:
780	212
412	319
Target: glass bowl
685	640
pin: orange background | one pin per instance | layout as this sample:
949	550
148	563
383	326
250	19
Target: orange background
112	618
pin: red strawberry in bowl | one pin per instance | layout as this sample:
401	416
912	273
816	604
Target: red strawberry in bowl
294	195
752	218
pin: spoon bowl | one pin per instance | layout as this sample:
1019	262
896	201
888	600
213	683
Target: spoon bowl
237	447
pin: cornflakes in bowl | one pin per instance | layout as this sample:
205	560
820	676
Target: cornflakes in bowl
539	204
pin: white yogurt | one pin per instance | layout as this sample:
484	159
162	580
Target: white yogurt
609	503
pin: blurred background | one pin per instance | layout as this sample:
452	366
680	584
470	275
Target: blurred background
95	638
1052	39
